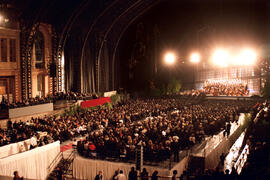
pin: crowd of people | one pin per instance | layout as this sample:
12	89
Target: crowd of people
225	88
19	132
135	175
75	96
258	141
163	126
5	104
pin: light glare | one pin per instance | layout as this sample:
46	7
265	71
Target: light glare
195	58
220	58
248	57
169	58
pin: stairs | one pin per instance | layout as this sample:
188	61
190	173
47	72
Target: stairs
65	164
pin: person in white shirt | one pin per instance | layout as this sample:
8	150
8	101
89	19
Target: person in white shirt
121	176
33	142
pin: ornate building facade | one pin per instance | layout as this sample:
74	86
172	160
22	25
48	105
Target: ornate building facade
10	70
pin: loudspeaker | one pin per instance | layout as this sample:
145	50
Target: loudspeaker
53	70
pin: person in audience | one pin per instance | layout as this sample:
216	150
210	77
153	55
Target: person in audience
99	176
144	174
33	142
132	174
115	175
121	176
222	159
9	124
59	174
154	175
174	174
16	176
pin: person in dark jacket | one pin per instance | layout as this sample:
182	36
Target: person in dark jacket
154	175
132	174
99	176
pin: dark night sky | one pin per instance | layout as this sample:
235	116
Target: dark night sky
186	24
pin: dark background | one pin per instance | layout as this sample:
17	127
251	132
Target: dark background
185	26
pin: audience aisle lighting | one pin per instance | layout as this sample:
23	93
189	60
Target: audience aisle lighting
170	58
195	58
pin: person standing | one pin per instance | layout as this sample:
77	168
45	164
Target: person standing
132	174
16	176
175	149
99	176
228	129
144	174
121	176
154	175
59	174
174	175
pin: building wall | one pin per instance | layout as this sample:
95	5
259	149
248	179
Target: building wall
46	31
8	69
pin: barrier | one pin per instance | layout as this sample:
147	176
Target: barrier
95	102
84	168
110	93
29	110
14	148
31	164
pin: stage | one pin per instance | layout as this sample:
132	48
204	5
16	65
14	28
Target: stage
228	97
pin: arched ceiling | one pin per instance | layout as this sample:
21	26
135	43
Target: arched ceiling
100	15
100	23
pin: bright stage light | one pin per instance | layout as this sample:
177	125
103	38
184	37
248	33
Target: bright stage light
195	58
221	58
170	58
248	57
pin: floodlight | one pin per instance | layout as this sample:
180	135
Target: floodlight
221	58
248	57
195	58
170	58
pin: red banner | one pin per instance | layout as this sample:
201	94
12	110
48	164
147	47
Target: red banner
95	102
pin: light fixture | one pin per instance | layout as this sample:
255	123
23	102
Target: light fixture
195	57
169	58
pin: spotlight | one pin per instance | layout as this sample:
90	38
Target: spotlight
247	57
220	58
195	58
170	58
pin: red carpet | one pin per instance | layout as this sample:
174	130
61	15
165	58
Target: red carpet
66	147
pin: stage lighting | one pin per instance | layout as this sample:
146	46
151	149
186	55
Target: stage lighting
170	58
195	58
221	58
247	57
